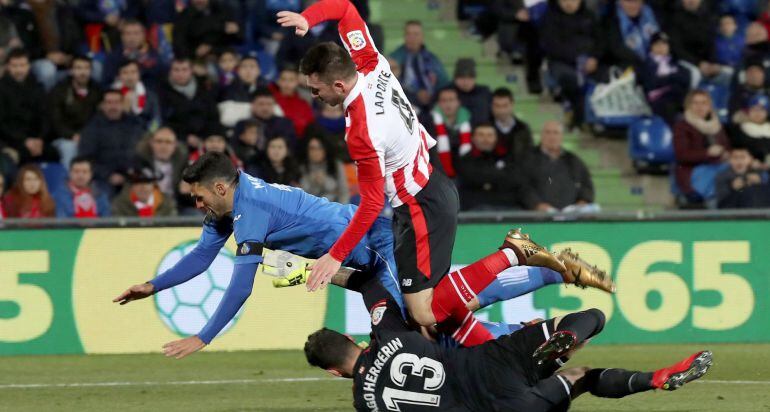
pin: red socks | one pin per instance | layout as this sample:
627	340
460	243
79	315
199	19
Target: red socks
460	287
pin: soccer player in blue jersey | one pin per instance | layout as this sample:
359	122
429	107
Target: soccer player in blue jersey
263	215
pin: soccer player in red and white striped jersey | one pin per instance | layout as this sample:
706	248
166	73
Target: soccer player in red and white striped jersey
390	149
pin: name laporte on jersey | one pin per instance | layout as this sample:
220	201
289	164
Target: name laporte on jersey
383	80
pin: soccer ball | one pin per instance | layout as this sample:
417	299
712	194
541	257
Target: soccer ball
186	308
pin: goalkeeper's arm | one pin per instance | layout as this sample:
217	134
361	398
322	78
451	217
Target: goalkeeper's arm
195	262
236	294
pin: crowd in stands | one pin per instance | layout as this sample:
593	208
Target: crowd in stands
702	66
103	104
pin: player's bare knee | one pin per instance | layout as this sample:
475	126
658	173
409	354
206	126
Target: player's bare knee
422	315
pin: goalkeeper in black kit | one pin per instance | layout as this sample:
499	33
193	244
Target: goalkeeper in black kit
403	370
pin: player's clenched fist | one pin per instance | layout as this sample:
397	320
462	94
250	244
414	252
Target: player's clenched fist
135	292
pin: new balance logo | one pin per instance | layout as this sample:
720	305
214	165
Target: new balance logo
530	251
235	219
406	282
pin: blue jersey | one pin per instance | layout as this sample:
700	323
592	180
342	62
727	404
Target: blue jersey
285	218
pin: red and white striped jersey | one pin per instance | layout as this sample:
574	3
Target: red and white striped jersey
383	135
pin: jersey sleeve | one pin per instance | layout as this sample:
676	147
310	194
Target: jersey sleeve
370	163
212	239
385	312
352	28
235	296
251	228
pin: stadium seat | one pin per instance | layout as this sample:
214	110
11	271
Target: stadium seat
650	145
55	175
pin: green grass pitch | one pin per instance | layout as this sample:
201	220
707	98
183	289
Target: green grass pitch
281	381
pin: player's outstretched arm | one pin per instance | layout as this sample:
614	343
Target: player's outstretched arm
236	294
212	240
135	292
351	26
291	19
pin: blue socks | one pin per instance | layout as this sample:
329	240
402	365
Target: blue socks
517	281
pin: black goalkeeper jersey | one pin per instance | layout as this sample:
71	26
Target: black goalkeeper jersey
403	371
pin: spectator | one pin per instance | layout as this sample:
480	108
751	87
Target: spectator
757	44
138	99
249	145
515	23
422	72
29	197
514	135
486	179
226	69
9	36
322	174
110	140
215	143
134	47
204	27
26	34
269	33
73	102
187	106
294	107
628	30
699	139
142	197
167	157
279	166
245	86
729	43
742	186
556	178
664	79
23	112
79	198
571	45
754	133
754	83
474	97
330	123
293	48
453	129
693	28
263	109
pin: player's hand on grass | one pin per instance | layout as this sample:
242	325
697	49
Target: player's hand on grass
183	347
322	271
291	19
135	292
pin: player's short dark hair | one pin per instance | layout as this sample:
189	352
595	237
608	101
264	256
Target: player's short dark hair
327	349
17	53
81	159
209	167
503	92
412	22
329	61
111	91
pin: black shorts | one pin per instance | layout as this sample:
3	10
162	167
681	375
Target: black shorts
515	381
424	230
